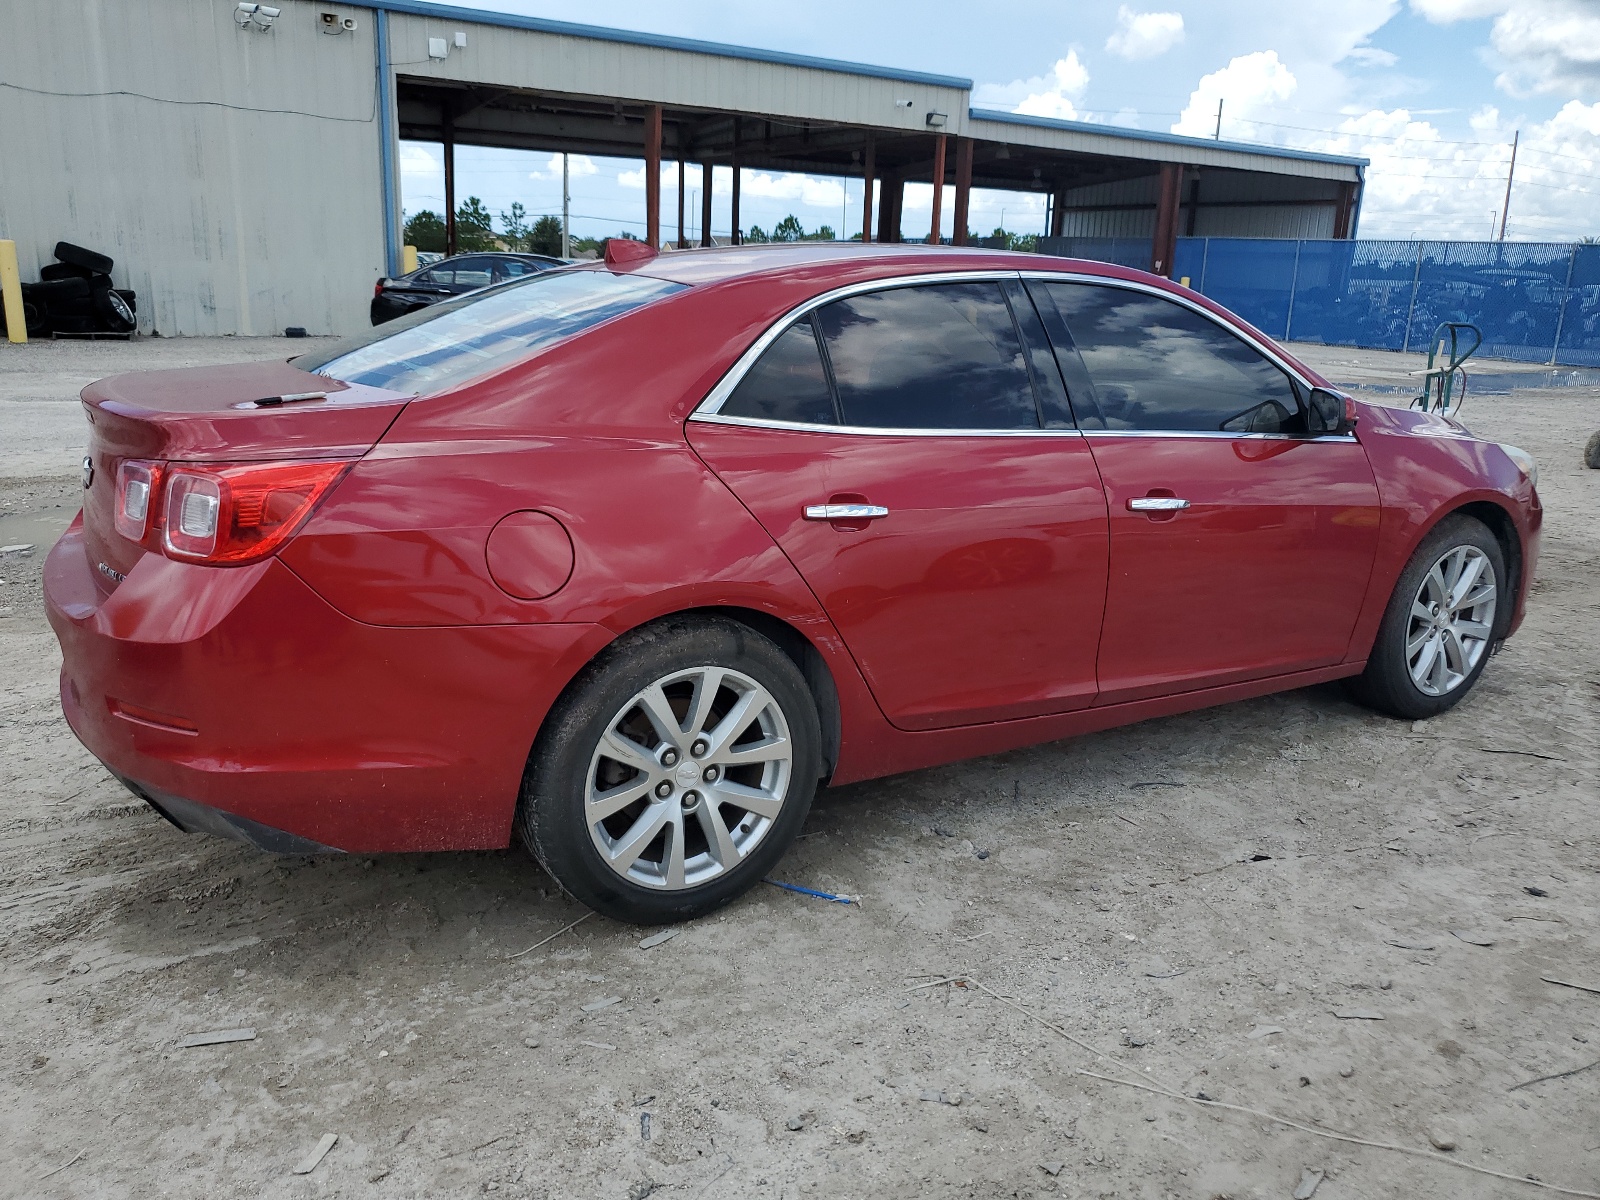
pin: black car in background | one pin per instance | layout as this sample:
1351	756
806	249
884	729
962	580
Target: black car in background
448	277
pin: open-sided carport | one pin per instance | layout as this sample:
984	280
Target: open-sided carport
533	84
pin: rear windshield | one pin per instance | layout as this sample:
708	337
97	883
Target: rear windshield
447	344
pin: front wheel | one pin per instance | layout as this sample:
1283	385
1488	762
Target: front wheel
1440	625
674	773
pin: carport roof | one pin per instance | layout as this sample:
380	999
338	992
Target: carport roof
1167	139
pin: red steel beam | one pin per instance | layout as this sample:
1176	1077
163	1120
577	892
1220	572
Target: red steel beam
963	188
1165	242
868	165
652	176
938	188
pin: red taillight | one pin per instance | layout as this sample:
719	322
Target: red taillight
377	289
228	515
137	486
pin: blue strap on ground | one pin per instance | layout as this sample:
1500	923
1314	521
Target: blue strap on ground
805	891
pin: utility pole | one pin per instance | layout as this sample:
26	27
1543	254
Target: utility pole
1505	209
1217	137
566	211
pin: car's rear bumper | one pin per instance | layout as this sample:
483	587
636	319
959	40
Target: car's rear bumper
240	702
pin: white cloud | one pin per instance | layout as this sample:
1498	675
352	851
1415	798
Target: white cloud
1251	88
808	190
1545	45
1371	56
1048	95
578	165
1055	92
1145	35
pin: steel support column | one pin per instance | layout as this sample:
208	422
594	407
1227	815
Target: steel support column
1058	212
890	195
1165	243
734	237
707	171
448	132
388	151
938	188
868	165
1346	208
963	189
652	176
682	241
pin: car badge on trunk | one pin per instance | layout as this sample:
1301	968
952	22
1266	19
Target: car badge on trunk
88	470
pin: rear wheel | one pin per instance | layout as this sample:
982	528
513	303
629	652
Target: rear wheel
674	773
1440	624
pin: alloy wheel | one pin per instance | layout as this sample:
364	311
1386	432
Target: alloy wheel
688	778
1452	620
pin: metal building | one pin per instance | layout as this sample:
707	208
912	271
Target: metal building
243	168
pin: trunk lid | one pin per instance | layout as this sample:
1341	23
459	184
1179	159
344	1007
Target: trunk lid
233	413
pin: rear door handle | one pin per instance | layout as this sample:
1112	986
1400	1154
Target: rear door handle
845	512
1156	504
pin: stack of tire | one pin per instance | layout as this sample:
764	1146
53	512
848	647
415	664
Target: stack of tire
74	295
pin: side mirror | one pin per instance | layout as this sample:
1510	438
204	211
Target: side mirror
1330	414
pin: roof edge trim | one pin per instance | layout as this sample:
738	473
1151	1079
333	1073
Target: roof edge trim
659	41
1171	139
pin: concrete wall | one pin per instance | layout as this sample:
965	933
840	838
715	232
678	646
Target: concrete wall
224	216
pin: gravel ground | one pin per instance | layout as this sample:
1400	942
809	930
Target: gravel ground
1219	903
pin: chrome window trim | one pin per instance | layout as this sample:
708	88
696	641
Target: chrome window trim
718	395
1267	352
709	409
1218	435
875	430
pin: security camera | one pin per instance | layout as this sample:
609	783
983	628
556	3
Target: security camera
260	15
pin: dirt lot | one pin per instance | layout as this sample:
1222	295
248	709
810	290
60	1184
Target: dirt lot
1188	903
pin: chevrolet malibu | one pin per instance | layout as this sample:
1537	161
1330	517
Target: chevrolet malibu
625	560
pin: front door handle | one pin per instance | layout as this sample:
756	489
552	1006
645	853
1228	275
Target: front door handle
1156	504
845	512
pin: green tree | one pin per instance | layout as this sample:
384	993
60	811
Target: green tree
425	231
514	226
824	233
788	230
474	226
545	236
757	234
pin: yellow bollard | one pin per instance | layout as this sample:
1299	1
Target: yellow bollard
408	259
11	293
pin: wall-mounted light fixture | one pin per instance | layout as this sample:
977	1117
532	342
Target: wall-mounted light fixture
936	120
255	16
438	48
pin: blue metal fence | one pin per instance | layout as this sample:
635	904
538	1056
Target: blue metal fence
1534	301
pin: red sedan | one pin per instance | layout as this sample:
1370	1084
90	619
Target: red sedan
626	559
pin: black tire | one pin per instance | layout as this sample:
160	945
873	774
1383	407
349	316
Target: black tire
114	312
1386	684
72	295
90	260
61	270
551	809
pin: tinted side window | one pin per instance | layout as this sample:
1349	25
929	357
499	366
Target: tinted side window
473	272
511	268
936	357
787	383
1157	365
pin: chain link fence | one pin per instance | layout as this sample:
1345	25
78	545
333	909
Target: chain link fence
1534	301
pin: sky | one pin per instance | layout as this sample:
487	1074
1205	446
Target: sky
1431	91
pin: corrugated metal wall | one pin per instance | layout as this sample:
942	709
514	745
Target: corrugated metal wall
224	217
1232	204
590	67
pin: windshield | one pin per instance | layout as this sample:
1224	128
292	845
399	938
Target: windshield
447	344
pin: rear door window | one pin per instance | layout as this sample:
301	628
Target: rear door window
787	383
943	356
473	272
1156	365
446	344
